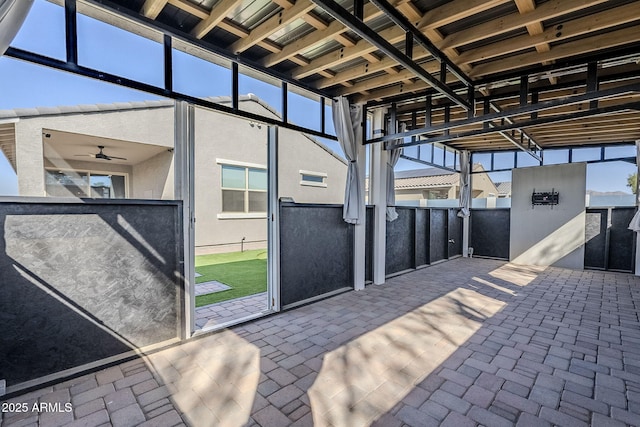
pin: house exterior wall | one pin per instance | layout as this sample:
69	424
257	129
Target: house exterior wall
153	178
219	139
296	153
483	186
146	126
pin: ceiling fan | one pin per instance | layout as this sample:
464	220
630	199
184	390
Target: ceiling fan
100	155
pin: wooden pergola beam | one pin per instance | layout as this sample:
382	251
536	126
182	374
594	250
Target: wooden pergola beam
271	25
455	11
438	17
545	11
605	19
152	8
586	45
219	11
333	31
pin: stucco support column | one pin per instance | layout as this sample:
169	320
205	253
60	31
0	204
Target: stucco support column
30	159
378	194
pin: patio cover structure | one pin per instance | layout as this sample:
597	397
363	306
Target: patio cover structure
475	75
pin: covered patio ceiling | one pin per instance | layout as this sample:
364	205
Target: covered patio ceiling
482	75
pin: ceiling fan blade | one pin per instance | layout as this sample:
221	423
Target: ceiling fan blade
85	155
117	158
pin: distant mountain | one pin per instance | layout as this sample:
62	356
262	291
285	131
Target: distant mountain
607	193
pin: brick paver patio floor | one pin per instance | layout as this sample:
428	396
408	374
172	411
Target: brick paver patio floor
217	314
463	343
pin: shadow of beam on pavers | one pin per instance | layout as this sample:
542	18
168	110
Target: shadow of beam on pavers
364	379
212	380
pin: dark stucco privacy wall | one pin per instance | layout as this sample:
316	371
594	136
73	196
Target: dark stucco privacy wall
490	232
610	245
316	251
80	282
316	246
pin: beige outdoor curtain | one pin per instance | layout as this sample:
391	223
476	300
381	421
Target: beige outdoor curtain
392	160
12	15
465	173
347	120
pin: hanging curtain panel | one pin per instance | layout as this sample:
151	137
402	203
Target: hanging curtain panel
464	184
347	120
392	161
12	15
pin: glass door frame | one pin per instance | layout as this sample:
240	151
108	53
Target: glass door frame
185	190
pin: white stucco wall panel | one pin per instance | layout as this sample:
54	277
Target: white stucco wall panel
153	178
296	152
218	136
549	235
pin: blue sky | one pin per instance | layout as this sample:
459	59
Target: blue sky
115	51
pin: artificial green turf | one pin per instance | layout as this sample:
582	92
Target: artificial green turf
245	272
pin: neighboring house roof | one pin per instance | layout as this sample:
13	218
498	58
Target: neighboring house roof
428	178
82	108
128	106
444	180
504	187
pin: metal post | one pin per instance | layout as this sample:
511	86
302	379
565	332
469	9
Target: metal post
273	227
465	219
360	230
184	184
379	199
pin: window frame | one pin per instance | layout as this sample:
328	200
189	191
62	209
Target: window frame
89	173
307	183
246	214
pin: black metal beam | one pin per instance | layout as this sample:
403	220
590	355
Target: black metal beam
497	109
400	20
617	159
408	44
71	31
358	9
592	81
235	86
322	114
362	30
137	18
406	97
607	54
546	105
517	143
155	90
285	103
502	128
424	162
168	64
524	90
